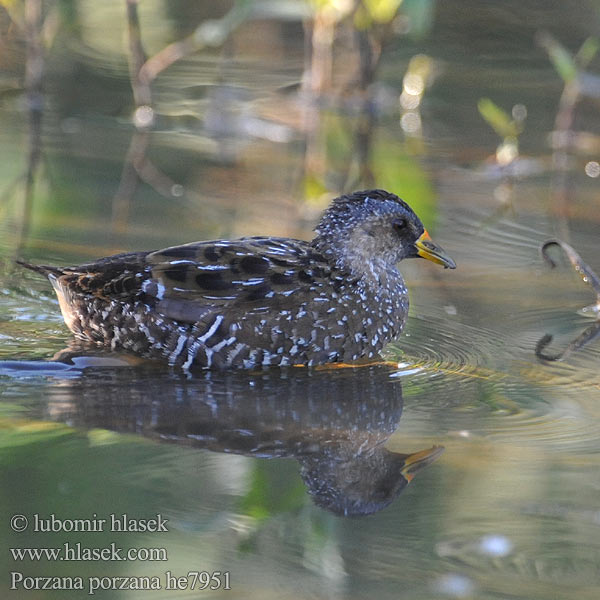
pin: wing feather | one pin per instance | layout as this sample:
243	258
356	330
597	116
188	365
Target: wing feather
247	275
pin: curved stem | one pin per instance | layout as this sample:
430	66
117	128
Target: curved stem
590	334
581	267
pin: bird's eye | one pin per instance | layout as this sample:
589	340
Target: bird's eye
399	225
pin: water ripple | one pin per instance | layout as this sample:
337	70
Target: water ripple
439	345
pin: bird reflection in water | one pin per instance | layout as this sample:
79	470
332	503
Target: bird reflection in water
333	422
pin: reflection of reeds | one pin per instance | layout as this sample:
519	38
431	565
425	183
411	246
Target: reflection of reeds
39	32
136	154
319	85
143	71
572	70
34	73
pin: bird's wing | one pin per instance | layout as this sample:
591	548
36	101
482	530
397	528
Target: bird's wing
118	277
250	275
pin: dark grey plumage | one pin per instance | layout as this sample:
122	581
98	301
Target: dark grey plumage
256	301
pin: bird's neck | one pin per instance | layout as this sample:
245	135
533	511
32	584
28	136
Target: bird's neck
356	260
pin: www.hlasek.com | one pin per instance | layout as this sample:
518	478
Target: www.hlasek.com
74	552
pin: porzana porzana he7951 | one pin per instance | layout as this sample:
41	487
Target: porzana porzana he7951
256	301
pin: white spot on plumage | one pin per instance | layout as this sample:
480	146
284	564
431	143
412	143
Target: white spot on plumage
209	353
218	320
192	351
236	350
154	288
144	329
222	344
251	281
178	348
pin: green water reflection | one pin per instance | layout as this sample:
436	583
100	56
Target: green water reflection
249	135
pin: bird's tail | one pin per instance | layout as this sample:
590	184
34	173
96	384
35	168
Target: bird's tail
45	270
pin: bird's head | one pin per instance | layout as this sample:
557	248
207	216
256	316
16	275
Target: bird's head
375	226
